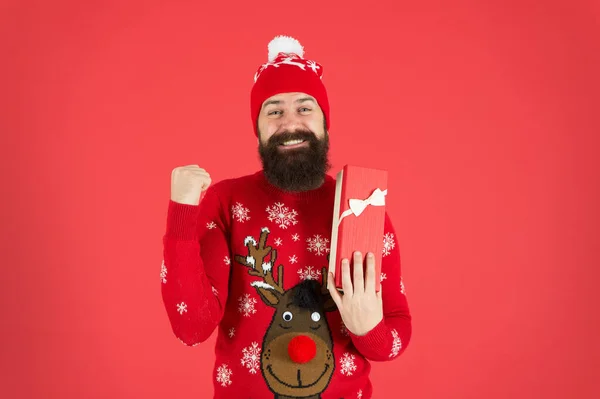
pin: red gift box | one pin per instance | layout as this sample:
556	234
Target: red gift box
358	219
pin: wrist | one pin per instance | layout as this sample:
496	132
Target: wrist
375	337
365	330
182	220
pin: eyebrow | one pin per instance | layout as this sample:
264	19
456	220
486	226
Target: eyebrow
300	100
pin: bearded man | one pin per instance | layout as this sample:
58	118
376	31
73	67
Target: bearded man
248	256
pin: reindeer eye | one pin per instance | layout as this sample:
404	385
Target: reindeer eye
315	316
287	316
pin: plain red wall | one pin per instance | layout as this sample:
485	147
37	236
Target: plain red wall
485	115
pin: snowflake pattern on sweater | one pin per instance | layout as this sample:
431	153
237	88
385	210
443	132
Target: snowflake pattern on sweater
163	273
347	364
309	273
240	213
224	375
251	358
282	215
318	244
252	261
246	305
388	243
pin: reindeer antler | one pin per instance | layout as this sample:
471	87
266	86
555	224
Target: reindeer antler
256	262
329	303
324	289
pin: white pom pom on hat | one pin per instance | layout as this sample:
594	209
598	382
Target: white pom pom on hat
284	44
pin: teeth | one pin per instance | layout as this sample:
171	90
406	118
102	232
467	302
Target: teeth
292	142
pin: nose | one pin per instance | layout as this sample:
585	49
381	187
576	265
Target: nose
302	349
290	122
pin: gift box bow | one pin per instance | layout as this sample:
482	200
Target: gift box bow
357	206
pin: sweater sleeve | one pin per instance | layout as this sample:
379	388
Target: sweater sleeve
195	270
390	337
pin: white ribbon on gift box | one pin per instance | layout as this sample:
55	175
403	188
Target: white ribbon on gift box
357	206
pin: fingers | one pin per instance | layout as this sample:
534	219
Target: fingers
370	278
346	279
335	294
359	283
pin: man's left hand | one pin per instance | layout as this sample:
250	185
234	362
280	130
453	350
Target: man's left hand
360	306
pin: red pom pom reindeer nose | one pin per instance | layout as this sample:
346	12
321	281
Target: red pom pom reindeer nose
302	349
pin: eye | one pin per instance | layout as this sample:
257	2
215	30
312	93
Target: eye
273	112
287	316
315	316
304	109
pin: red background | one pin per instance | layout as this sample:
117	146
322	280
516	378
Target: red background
485	115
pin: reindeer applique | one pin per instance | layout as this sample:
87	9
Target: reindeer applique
297	351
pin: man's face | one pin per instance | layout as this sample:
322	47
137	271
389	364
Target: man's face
293	142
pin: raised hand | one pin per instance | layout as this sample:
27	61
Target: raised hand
360	306
187	184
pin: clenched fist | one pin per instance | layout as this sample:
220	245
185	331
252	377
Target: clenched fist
187	184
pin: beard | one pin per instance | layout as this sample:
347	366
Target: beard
297	169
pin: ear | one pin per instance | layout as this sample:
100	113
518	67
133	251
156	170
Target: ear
269	297
328	302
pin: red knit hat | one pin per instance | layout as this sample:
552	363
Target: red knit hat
285	72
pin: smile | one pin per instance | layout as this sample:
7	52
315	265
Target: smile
299	380
290	144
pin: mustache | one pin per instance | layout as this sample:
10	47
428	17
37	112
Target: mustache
282	137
